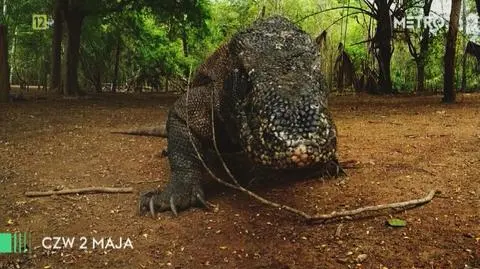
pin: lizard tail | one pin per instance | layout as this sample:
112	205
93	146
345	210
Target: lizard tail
145	131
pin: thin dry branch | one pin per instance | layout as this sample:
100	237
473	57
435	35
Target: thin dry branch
307	217
89	190
405	205
148	181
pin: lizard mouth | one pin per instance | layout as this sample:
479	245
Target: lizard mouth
306	154
300	155
272	145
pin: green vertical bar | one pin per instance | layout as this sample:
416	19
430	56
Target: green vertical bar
25	241
5	243
20	240
29	245
14	242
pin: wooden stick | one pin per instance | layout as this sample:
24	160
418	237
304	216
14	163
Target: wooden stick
79	191
405	204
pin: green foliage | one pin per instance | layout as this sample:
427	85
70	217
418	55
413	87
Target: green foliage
96	51
170	38
403	79
28	49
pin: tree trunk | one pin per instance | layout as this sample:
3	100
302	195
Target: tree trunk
424	46
13	53
74	25
4	67
449	95
420	76
383	40
464	42
56	76
117	63
167	83
421	58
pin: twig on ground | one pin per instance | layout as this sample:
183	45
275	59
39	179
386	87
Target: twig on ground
148	181
350	164
338	231
427	171
405	205
308	218
88	190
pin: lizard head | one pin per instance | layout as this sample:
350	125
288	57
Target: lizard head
281	98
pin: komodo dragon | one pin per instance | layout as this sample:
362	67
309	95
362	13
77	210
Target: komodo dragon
269	102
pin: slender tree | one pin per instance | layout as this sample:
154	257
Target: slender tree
4	67
56	75
383	43
464	43
449	95
424	46
117	63
74	15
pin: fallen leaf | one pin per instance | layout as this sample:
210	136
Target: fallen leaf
396	222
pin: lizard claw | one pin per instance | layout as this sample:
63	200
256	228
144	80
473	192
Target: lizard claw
151	207
202	201
177	196
173	207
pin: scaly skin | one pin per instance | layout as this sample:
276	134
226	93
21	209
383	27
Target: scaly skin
270	104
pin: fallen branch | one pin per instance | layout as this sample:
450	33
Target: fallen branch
405	204
88	190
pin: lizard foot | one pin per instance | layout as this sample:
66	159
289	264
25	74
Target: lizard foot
176	196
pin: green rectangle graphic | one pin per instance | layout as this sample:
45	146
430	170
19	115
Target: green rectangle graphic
15	242
6	243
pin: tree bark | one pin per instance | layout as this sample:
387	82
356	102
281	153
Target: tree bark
167	83
73	19
383	40
56	77
424	46
449	95
421	58
117	63
464	43
4	67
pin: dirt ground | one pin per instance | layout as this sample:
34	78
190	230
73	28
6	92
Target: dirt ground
402	148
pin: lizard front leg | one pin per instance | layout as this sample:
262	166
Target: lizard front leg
184	189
